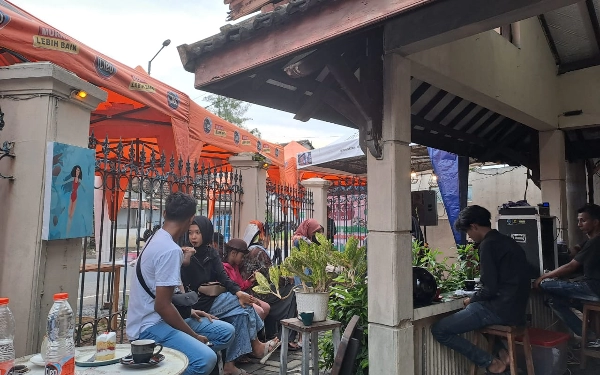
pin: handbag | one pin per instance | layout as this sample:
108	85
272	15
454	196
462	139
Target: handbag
211	289
183	302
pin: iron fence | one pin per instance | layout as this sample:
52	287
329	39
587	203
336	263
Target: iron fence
287	207
347	210
132	182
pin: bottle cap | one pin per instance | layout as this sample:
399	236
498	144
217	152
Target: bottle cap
61	296
3	301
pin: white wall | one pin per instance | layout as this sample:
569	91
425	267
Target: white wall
491	188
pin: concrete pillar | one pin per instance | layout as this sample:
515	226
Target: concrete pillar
319	188
389	239
553	177
38	108
254	183
576	198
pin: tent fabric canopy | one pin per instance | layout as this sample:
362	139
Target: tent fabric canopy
138	106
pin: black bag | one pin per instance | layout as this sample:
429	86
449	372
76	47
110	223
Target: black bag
183	302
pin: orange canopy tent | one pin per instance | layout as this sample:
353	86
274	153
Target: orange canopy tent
138	106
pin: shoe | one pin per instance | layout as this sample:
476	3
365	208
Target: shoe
594	344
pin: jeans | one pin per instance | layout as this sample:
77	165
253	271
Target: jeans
202	359
474	316
561	293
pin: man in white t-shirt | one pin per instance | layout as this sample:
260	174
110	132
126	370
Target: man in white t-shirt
157	318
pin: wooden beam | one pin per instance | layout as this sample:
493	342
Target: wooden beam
344	107
351	86
308	65
241	8
442	22
590	24
314	101
330	20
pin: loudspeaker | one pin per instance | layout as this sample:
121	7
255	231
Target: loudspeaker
537	236
424	207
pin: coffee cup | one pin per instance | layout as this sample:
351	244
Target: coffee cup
470	285
143	350
307	317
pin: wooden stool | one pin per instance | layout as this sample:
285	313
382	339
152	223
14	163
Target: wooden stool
510	333
590	309
308	332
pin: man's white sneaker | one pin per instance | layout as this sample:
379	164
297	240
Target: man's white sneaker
594	344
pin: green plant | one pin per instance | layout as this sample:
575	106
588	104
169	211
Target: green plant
264	286
448	276
312	264
348	298
468	257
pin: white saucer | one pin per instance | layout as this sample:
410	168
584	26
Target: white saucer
37	360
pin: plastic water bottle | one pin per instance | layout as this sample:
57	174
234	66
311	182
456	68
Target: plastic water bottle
7	335
60	352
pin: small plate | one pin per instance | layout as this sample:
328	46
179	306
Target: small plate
128	361
84	355
38	360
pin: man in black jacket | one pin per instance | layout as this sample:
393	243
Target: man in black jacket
503	298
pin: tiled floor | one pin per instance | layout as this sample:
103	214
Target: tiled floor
271	367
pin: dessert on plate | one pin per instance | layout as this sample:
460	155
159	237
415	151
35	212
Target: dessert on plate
105	346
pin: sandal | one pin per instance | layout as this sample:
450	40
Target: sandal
292	347
272	345
244	360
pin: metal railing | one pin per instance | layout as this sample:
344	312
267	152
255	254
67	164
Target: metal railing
287	207
132	182
347	206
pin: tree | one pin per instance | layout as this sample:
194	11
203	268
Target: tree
232	110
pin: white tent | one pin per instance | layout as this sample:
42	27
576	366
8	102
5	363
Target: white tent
345	156
339	156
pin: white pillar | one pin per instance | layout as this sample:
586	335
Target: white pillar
254	184
319	188
391	350
38	108
553	178
576	198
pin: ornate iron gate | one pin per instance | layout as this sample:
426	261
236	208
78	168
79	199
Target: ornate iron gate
132	181
347	201
287	207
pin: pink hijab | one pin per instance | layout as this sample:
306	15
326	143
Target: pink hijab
307	228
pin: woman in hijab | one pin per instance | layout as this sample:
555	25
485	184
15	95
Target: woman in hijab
233	306
306	231
257	260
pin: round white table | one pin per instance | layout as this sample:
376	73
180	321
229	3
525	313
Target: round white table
175	363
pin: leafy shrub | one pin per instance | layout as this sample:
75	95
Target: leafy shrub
349	297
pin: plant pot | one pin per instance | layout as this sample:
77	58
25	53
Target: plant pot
312	301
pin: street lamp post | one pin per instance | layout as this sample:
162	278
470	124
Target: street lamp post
165	43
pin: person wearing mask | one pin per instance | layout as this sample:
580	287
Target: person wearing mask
233	306
570	294
154	316
503	298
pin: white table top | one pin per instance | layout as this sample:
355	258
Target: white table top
175	363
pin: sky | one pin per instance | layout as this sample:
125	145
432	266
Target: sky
132	31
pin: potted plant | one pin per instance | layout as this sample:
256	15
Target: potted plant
315	264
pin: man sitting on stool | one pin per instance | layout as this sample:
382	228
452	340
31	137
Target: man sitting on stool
563	292
501	301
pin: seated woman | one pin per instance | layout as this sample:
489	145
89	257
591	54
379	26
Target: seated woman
233	306
258	260
235	250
